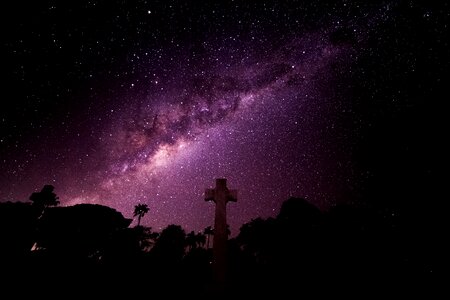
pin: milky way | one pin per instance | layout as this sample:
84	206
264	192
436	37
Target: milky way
168	147
149	103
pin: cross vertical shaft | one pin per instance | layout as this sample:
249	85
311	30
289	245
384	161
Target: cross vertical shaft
220	195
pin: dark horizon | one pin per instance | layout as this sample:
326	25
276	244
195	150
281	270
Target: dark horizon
300	251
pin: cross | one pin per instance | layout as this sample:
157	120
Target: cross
220	195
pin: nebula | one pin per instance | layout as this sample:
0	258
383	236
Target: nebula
168	136
117	106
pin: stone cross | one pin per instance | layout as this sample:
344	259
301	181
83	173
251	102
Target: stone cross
220	195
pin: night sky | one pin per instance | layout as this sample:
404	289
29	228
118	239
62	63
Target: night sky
126	102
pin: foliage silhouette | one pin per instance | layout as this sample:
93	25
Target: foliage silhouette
208	232
195	240
169	247
200	240
299	247
80	230
140	210
45	198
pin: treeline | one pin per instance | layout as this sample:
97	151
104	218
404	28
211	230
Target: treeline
94	247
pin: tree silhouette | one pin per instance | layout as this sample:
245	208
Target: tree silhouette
191	240
208	232
146	237
169	247
195	240
140	210
82	230
44	198
200	240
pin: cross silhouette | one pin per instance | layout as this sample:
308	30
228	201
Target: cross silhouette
221	195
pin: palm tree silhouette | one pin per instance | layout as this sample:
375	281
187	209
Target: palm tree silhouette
191	240
140	210
208	232
195	240
200	240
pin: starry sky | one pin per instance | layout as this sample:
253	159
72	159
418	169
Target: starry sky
126	102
